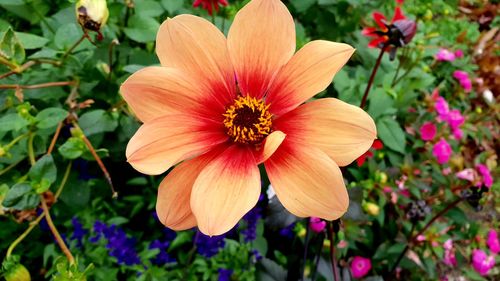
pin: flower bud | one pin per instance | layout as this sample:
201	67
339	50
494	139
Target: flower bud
407	29
371	208
17	273
92	14
2	151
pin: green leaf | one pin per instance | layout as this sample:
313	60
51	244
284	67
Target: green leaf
21	197
67	36
148	8
391	134
11	48
50	117
142	29
380	103
97	121
302	5
172	5
44	168
12	122
72	148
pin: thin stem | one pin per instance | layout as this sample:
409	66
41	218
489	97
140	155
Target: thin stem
110	56
54	138
14	141
332	252
97	159
31	152
427	225
19	69
37	86
408	239
63	181
306	245
316	259
21	237
372	76
74	46
10	167
56	234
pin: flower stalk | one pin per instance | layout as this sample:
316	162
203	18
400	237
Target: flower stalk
332	252
372	76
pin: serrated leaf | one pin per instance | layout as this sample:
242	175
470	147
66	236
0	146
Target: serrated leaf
44	168
50	117
391	134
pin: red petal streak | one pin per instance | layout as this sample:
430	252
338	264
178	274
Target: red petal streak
379	19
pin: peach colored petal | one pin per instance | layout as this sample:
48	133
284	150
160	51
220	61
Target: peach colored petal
260	41
269	146
309	72
341	130
174	194
307	182
197	47
161	143
156	91
225	190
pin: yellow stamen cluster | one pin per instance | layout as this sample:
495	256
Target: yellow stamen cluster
248	120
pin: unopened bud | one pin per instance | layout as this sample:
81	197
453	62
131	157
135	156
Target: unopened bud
92	14
18	273
407	29
371	208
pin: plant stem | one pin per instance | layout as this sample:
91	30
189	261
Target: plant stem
31	153
54	231
372	76
8	168
54	138
427	225
316	259
63	181
306	245
37	86
74	46
19	69
14	141
332	252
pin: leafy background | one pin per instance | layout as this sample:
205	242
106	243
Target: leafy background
120	238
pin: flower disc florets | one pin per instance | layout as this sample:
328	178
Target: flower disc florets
248	120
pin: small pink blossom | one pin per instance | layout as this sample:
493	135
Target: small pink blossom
428	131
455	119
446	171
460	75
481	262
360	266
421	238
316	224
342	244
493	242
445	55
442	151
463	79
442	108
458	134
485	174
449	253
448	244
459	53
467	174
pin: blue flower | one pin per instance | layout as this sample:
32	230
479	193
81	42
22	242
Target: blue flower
288	231
162	257
208	246
78	231
225	274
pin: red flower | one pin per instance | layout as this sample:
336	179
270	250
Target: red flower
209	5
380	34
377	145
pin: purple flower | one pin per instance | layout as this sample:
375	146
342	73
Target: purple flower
442	151
118	244
225	274
208	246
360	266
481	262
162	257
493	242
485	173
428	131
445	55
287	231
252	218
78	231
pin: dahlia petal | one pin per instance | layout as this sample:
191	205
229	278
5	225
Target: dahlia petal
369	31
379	20
197	47
271	143
376	42
398	15
260	41
174	193
226	189
165	141
156	91
307	181
309	72
343	131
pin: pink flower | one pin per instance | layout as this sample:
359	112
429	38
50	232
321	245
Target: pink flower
316	224
460	75
459	53
493	242
485	173
428	131
481	262
455	119
442	108
463	79
445	55
467	174
360	266
458	134
449	254
446	171
442	151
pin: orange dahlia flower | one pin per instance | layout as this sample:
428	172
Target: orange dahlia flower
220	107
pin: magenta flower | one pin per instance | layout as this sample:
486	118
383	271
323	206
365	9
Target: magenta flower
442	151
428	131
485	173
360	266
449	254
444	55
455	119
459	53
316	224
442	108
481	262
463	79
460	75
458	134
493	242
